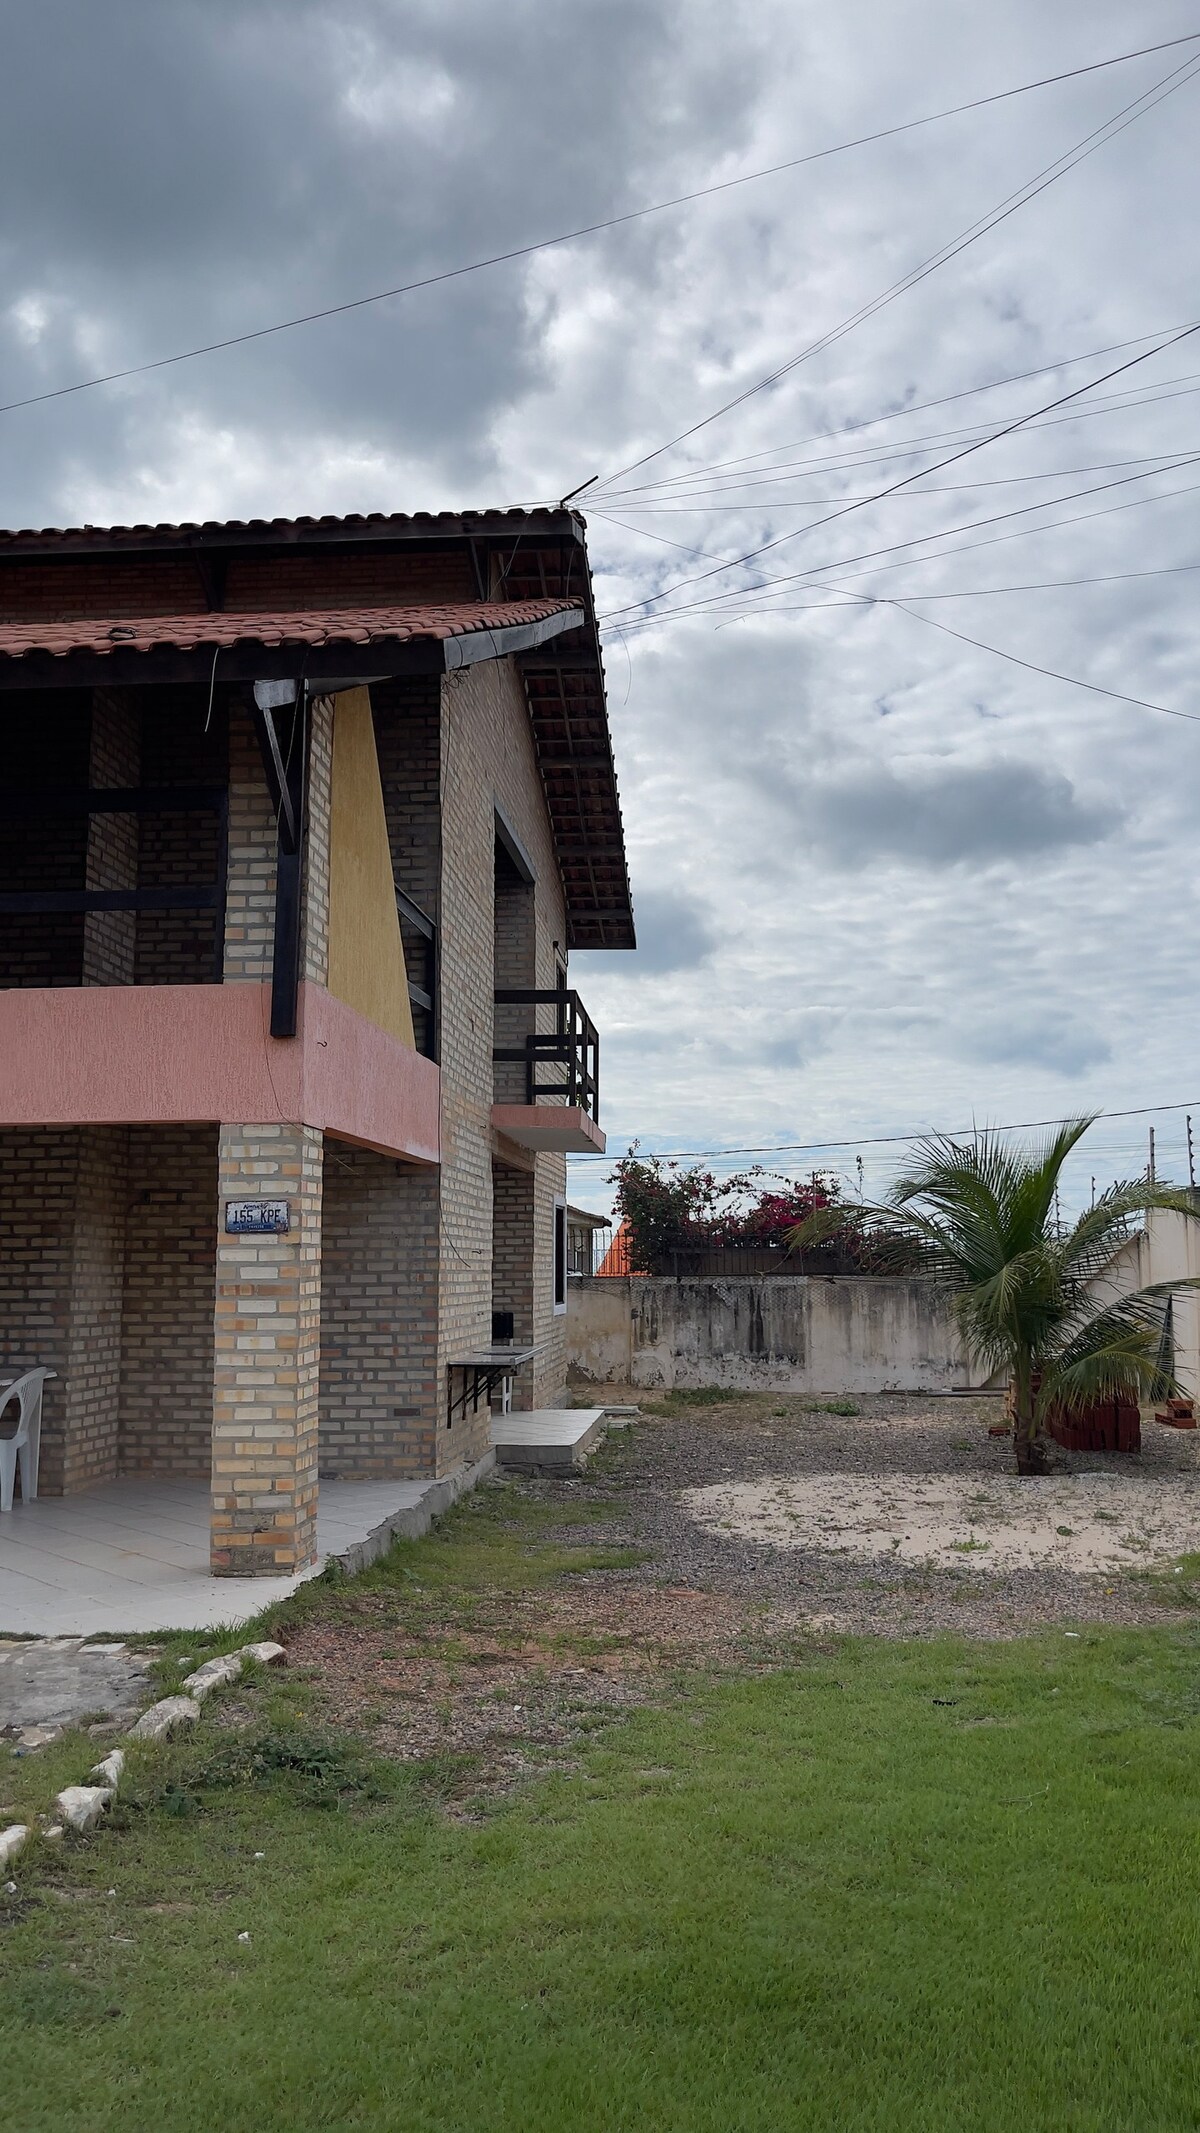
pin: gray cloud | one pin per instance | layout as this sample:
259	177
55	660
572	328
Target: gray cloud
949	813
884	879
674	933
1045	1040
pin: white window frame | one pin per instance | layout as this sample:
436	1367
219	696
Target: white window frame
559	1260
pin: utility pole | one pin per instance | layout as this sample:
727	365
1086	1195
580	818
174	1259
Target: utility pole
1191	1155
1151	1169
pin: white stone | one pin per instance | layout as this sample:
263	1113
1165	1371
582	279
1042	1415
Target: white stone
244	1938
38	1736
264	1654
53	1835
83	1805
213	1675
162	1718
12	1841
110	1769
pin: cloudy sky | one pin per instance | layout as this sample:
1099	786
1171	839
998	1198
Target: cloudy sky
885	879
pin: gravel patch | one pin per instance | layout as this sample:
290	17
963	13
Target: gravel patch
773	1450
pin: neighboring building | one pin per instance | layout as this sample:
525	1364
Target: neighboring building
585	1240
616	1259
301	818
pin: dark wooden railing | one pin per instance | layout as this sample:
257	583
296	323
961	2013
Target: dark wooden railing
423	995
570	1052
62	800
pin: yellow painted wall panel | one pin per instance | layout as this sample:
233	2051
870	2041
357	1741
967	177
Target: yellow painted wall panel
366	952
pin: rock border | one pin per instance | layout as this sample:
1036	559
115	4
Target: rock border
80	1807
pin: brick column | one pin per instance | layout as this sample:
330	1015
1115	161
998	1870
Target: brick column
266	1354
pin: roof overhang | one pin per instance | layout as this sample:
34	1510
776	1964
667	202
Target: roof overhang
516	557
243	652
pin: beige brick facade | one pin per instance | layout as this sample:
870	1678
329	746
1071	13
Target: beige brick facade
263	1362
267	1344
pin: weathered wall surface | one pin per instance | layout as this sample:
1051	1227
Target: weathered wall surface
786	1331
1167	1249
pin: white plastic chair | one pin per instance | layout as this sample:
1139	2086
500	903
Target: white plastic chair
27	1442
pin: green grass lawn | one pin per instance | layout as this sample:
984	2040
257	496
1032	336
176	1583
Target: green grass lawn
891	1886
877	1885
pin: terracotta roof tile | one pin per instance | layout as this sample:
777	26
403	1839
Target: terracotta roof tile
312	626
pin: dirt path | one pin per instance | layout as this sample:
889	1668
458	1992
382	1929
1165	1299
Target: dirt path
746	1524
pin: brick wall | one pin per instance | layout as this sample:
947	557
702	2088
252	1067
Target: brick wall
106	1277
487	756
314	944
110	937
180	744
167	1320
513	1262
38	1172
44	736
62	1228
380	1403
93	1363
250	897
407	741
172	585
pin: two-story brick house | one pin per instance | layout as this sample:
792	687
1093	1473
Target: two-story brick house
300	822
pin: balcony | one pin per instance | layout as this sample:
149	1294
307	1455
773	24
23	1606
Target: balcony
547	1071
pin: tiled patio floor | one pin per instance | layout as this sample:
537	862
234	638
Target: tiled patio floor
133	1555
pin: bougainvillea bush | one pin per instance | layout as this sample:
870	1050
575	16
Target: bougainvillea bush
670	1212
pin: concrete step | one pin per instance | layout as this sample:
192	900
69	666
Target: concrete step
556	1439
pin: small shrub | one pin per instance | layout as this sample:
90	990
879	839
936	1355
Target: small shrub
322	1767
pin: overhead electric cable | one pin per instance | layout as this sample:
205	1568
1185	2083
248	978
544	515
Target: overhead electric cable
975	592
880	495
1031	665
1012	203
919	407
911	447
592	229
636	619
1162	461
885	1140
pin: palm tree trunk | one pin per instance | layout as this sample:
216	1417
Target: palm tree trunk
1028	1442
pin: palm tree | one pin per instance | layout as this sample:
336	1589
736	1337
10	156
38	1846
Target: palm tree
978	1218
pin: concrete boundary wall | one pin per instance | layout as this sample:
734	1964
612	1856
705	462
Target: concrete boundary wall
798	1333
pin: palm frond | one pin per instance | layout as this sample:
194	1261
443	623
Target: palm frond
1120	1350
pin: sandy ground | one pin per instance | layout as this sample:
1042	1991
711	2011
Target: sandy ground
902	1518
1098	1521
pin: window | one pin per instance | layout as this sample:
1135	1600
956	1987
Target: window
560	1255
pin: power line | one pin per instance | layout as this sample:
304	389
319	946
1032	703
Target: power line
591	229
880	495
919	407
911	447
976	592
716	601
1161	461
1010	205
886	1140
1031	666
